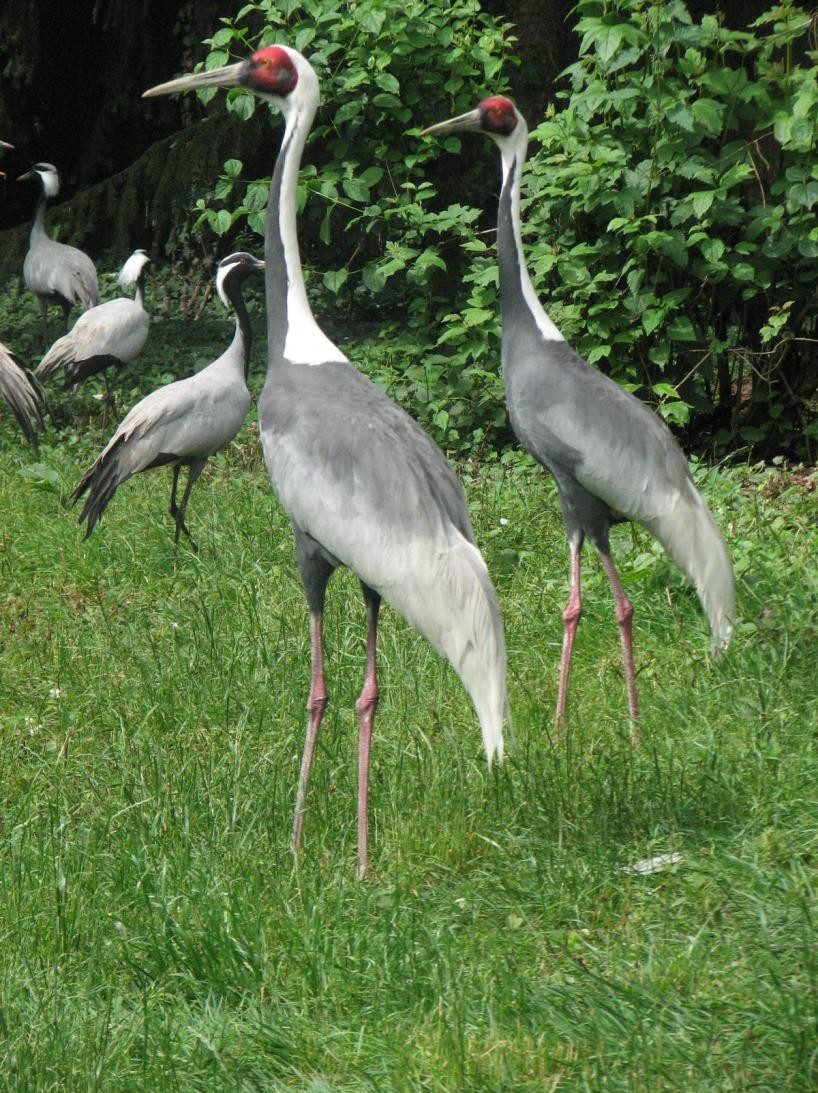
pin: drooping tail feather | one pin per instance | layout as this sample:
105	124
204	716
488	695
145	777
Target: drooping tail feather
689	534
453	604
22	393
101	483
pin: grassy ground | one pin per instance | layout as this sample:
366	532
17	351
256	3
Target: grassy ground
155	931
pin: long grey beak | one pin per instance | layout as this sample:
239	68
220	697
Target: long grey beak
5	144
28	174
470	122
227	76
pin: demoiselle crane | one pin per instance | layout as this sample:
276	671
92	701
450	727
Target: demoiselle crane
363	485
107	336
612	458
55	272
183	423
6	147
18	388
21	393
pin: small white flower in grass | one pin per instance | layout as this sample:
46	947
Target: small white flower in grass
503	521
32	725
55	692
656	864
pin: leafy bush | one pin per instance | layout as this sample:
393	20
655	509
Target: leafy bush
387	67
669	208
668	204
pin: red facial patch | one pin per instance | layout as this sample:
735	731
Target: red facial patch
498	115
271	71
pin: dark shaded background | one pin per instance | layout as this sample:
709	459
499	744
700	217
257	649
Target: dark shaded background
73	75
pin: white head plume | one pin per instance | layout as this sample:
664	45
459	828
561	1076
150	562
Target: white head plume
49	177
131	271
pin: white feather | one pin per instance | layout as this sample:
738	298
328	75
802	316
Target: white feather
129	274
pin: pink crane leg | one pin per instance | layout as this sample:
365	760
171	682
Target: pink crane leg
316	704
365	707
570	621
624	617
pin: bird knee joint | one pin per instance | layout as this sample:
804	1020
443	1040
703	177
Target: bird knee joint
572	613
624	612
317	703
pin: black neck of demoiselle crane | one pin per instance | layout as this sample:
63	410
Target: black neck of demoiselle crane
244	333
38	224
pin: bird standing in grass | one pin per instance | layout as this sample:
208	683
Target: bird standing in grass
108	336
612	459
183	423
363	485
55	272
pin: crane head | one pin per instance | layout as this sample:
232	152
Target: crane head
496	116
271	73
48	176
232	270
134	269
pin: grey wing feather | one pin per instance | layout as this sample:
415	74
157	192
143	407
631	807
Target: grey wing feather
374	490
21	392
179	423
56	269
117	329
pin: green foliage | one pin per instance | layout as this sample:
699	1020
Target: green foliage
669	207
387	68
670	214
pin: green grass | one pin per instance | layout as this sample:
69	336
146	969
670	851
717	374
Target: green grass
154	928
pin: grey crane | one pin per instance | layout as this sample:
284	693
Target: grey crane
55	272
18	388
21	393
612	458
5	146
363	485
106	337
183	423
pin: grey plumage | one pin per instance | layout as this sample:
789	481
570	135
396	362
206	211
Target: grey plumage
4	144
612	458
363	485
18	388
55	272
183	423
109	335
21	393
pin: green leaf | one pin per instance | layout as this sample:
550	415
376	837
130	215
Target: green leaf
335	279
709	113
221	222
355	189
681	329
702	201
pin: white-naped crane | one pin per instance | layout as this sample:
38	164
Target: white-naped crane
55	272
363	484
21	392
107	337
612	458
183	423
